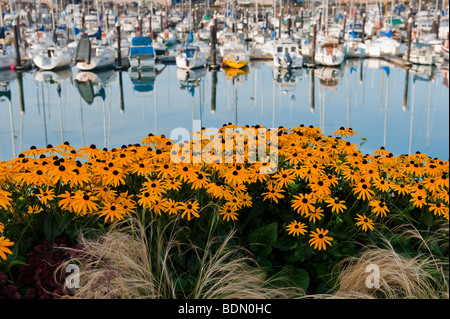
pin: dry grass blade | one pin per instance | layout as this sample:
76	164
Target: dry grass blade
418	277
124	263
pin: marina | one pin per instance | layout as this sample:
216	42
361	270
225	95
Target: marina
110	73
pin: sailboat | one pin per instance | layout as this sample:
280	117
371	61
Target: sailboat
52	58
189	56
90	57
329	53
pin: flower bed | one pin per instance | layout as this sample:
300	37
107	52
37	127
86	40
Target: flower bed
323	194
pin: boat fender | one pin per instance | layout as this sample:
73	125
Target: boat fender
187	62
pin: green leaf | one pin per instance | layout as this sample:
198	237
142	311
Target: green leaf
427	219
294	255
258	208
65	221
51	227
262	238
285	244
299	276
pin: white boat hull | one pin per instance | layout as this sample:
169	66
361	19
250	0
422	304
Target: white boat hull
190	63
46	63
334	59
105	60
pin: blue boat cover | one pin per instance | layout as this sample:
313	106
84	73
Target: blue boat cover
387	34
190	50
141	41
136	51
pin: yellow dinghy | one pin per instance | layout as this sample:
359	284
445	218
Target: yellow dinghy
237	61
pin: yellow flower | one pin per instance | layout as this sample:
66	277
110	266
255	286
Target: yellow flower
295	228
319	239
284	177
438	209
364	222
112	211
33	210
303	203
274	193
4	243
46	195
190	208
172	207
5	199
228	212
315	214
336	205
379	208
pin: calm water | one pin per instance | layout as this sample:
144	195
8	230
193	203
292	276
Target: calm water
121	108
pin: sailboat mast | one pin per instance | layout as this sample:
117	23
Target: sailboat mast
52	15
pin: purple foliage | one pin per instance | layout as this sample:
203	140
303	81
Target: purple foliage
39	276
7	291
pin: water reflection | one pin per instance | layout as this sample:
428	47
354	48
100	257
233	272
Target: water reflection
190	79
403	110
92	84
